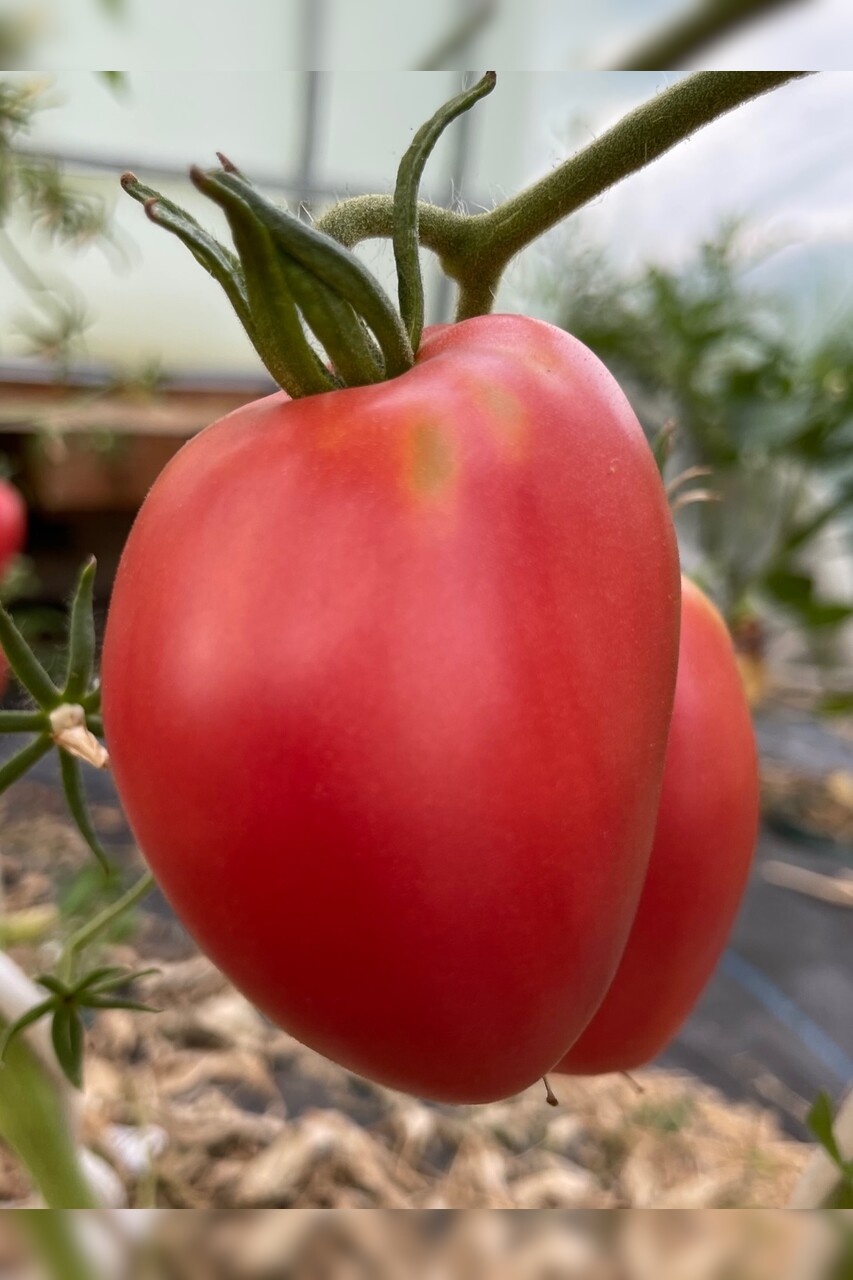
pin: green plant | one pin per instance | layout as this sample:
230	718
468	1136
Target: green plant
770	416
821	1121
36	190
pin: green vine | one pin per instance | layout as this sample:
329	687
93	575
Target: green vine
474	250
289	281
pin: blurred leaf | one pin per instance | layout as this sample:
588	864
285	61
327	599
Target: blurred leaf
116	81
821	1121
835	704
797	592
19	579
88	893
699	344
56	207
68	1037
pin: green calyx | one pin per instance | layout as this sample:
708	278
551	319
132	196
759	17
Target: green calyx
295	286
290	283
287	283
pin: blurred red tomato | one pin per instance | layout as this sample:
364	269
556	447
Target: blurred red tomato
13	523
13	534
704	843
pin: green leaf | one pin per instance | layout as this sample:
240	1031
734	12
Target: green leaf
335	324
276	327
116	81
796	591
116	1002
26	1020
334	266
837	703
821	1121
81	637
68	1035
54	984
87	892
113	979
72	785
18	764
409	174
106	975
26	665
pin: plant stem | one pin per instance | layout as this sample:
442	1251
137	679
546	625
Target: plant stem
101	922
23	722
689	33
474	250
53	1237
639	138
34	1121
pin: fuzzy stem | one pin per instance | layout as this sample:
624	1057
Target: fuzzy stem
474	250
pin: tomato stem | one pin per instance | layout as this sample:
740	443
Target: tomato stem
475	249
288	277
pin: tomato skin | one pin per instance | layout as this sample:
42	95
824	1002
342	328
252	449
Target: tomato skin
13	535
704	843
13	523
387	678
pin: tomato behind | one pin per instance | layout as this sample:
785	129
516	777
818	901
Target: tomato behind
13	523
13	534
701	856
387	679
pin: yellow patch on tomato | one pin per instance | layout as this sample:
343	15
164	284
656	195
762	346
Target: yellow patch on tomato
431	461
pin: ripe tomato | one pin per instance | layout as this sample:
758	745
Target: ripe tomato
387	678
13	523
703	847
13	534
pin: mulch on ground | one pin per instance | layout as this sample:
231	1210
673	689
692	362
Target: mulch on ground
205	1105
